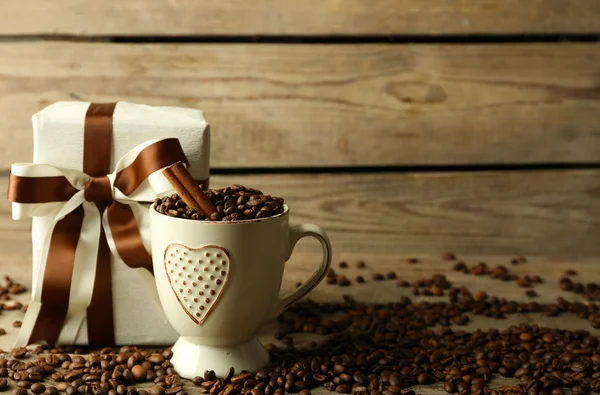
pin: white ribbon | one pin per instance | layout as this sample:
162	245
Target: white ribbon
84	269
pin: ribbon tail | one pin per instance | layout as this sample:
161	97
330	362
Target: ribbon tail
124	236
58	272
84	275
100	319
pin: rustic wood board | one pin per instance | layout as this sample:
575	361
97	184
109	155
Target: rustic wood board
293	17
298	269
554	213
275	105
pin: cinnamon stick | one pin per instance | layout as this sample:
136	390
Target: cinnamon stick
188	189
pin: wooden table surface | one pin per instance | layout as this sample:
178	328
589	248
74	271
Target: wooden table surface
300	266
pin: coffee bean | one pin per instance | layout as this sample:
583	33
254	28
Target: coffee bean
19	391
138	372
531	293
378	277
210	375
360	279
23	384
425	378
51	390
241	379
343	265
525	336
449	387
391	275
37	388
342	281
157	390
229	374
448	256
413	261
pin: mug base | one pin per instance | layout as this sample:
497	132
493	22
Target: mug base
191	359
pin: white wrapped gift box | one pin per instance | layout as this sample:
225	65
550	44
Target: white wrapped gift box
59	141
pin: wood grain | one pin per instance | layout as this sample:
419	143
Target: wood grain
551	213
330	105
308	17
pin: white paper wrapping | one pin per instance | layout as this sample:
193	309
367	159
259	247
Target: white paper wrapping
58	141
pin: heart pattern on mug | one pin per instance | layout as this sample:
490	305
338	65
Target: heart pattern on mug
198	277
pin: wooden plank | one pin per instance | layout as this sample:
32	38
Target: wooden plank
338	105
551	213
293	17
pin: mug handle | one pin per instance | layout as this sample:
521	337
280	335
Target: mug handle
296	233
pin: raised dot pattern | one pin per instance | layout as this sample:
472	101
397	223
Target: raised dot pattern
200	260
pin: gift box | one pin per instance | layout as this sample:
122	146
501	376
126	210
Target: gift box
96	168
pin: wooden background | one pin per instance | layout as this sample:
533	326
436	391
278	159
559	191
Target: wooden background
401	126
404	127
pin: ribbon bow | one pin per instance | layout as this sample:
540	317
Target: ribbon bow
93	215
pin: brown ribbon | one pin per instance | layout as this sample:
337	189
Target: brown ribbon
97	139
128	241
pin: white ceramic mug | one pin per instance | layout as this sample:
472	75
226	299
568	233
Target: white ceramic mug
219	282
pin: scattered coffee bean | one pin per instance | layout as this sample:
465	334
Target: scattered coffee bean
360	279
19	352
138	372
342	281
570	272
459	266
371	349
51	390
531	293
378	277
518	260
23	384
210	375
19	391
448	256
412	261
590	291
157	390
17	324
524	282
37	388
391	275
2	331
343	265
361	265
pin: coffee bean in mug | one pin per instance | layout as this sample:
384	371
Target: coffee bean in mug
235	203
219	280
